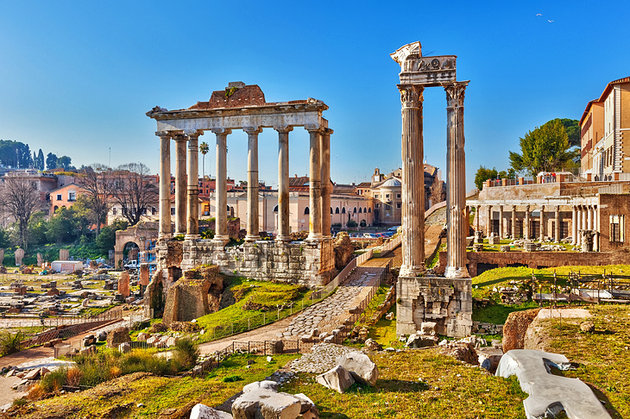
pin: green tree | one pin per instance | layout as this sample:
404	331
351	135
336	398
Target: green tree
203	148
65	162
573	131
483	174
66	226
545	149
37	229
106	240
51	161
5	241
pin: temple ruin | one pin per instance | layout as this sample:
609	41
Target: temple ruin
422	298
239	106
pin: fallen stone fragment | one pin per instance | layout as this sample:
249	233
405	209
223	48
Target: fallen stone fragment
308	409
360	366
587	327
258	385
421	341
515	328
428	328
549	394
338	379
264	403
372	345
201	411
489	358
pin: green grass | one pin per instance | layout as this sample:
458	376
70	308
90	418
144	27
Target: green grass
498	313
257	303
416	384
604	356
157	394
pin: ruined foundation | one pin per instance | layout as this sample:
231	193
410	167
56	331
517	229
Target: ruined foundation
446	301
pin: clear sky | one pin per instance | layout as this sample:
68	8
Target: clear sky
76	77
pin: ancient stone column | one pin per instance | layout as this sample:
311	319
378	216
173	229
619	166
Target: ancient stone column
513	222
489	222
501	232
574	225
589	211
477	217
180	184
326	186
457	225
220	193
192	225
283	183
542	223
165	185
584	221
526	234
556	234
252	184
315	187
412	181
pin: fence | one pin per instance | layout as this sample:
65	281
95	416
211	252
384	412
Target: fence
67	331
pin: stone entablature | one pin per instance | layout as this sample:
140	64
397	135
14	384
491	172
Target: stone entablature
307	263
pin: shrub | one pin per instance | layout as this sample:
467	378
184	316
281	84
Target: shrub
54	380
74	377
10	342
36	392
232	378
186	354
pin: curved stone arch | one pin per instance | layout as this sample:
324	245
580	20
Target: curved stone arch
135	235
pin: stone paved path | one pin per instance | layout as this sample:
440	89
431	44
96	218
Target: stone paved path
332	312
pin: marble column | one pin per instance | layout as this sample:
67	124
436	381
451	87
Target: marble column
283	183
557	226
181	181
513	222
326	186
192	225
457	225
584	222
315	186
165	185
526	234
489	220
412	151
221	234
542	223
477	217
252	184
574	221
501	222
589	211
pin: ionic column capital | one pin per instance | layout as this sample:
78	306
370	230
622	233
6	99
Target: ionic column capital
455	93
221	131
165	134
314	129
252	130
411	95
193	134
283	129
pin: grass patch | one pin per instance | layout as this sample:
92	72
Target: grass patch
498	313
158	393
257	303
419	384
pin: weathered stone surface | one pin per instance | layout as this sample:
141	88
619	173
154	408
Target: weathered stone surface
144	275
462	351
344	250
587	327
19	255
201	411
421	341
428	328
489	358
262	403
124	347
123	284
187	299
515	328
372	345
338	379
360	366
64	254
258	385
549	393
118	336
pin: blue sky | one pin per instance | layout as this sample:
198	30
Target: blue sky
77	77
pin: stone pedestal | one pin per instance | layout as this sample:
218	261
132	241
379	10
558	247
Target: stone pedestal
586	240
445	301
493	239
478	236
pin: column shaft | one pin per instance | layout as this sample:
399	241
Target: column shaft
221	233
477	217
574	227
283	184
557	227
542	223
513	222
192	226
489	222
165	185
412	151
589	211
526	234
325	176
315	186
457	225
181	181
252	184
501	232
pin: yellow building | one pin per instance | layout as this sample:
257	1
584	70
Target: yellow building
605	134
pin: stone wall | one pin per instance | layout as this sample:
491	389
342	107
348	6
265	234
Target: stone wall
480	261
188	298
613	204
310	264
448	302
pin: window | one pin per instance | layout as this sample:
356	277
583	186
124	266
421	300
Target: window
398	205
355	210
377	205
360	210
337	210
59	197
377	195
343	210
365	209
370	210
398	196
331	211
616	228
306	211
72	196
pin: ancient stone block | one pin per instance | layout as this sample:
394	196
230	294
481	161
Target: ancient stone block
187	299
144	275
338	379
360	366
118	336
123	284
344	250
19	255
515	328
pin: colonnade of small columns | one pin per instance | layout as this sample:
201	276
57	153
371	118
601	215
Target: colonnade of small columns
187	189
584	217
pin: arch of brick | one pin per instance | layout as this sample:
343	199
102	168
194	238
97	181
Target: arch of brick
138	234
